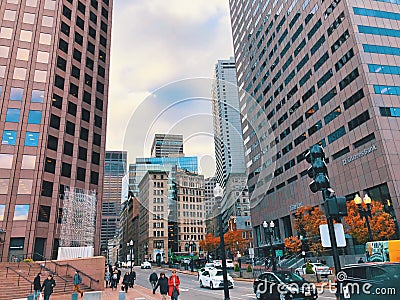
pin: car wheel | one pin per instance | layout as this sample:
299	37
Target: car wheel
211	286
201	284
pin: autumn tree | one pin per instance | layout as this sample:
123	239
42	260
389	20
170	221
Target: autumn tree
209	243
382	223
234	241
293	244
307	222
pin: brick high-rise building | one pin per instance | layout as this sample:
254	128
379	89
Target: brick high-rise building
54	74
317	72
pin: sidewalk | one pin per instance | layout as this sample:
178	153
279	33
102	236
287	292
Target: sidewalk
137	292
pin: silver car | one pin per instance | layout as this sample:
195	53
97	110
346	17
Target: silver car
318	268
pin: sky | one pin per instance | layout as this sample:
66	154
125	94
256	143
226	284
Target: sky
163	55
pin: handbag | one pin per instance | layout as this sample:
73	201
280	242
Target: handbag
175	292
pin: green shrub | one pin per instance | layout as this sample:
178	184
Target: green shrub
249	269
236	269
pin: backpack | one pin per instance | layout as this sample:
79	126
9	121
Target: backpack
115	276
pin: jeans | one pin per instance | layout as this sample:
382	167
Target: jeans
36	294
46	296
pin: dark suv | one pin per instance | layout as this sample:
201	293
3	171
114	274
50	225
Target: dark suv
283	285
370	281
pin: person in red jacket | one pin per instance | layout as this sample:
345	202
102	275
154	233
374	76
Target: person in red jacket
173	286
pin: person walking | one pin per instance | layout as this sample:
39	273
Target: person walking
77	283
163	284
114	279
132	278
173	286
125	282
119	275
153	279
107	277
48	285
36	287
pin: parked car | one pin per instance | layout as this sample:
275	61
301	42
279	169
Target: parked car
214	279
229	264
145	265
207	267
283	285
318	268
370	281
217	263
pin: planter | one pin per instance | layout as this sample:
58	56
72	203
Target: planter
247	275
234	274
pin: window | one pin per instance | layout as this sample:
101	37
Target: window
67	12
93	17
4	182
47	21
13	115
45	39
330	8
56	101
72	107
384	69
336	24
294	20
88	80
294	107
349	79
360	119
28	162
378	31
324	78
313	129
104	13
102	56
9	15
340	41
32	139
44	213
25	186
95	158
100	87
52	143
321	61
34	117
101	71
63	46
61	63
75	72
6	33
6	161
66	169
297	123
341	153
344	60
314	29
92	32
55	121
308	94
377	13
70	128
73	89
80	22
336	134
328	96
353	99
318	44
364	140
9	137
65	28
94	177
80	174
312	110
302	62
300	139
68	148
305	78
4	51
25	36
297	33
82	153
97	121
387	90
84	134
332	115
96	139
19	73
77	55
47	188
42	57
81	7
90	47
287	63
78	38
59	82
50	165
89	63
40	76
104	26
103	41
299	47
21	212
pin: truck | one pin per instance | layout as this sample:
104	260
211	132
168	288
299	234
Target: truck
383	251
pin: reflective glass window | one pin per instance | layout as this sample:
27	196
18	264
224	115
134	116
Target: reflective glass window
336	134
4	182
384	69
37	96
47	21
13	115
9	137
28	162
42	57
29	18
40	76
31	3
45	39
16	94
25	36
21	212
9	15
6	161
6	33
2	71
34	117
381	49
19	73
22	54
4	51
32	139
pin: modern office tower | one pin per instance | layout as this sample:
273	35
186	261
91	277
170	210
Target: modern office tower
115	171
209	200
317	72
167	145
228	141
191	212
153	216
54	73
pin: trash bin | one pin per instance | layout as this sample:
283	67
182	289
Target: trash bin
121	295
74	296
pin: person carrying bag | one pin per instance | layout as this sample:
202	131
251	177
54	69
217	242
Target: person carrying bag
173	284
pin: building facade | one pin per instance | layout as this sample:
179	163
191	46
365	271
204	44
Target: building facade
54	73
167	145
317	72
209	199
115	171
228	141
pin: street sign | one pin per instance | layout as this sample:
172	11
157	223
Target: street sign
251	252
279	253
339	233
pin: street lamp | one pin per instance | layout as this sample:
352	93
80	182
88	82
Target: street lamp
218	194
268	232
365	213
191	245
130	247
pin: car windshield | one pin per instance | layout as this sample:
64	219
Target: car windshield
216	272
288	277
209	265
318	265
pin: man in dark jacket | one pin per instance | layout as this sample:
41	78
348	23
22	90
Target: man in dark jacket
132	278
36	287
153	279
47	287
125	282
163	284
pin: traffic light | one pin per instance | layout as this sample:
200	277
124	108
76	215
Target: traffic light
336	206
318	170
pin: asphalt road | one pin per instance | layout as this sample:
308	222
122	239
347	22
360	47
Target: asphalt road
190	288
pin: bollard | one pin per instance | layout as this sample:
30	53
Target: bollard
121	295
74	296
30	297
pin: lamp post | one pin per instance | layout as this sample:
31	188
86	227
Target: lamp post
365	213
268	231
218	194
191	244
130	247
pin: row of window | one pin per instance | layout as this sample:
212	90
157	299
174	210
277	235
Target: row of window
13	116
10	138
384	69
390	111
387	90
378	31
376	13
17	94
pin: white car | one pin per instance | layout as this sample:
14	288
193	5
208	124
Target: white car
207	267
214	279
229	264
145	265
318	268
217	263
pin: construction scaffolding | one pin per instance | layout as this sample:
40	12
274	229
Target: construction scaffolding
78	218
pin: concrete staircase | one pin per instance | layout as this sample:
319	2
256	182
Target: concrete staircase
17	280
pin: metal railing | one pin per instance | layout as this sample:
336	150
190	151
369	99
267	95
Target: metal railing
56	275
67	266
19	276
